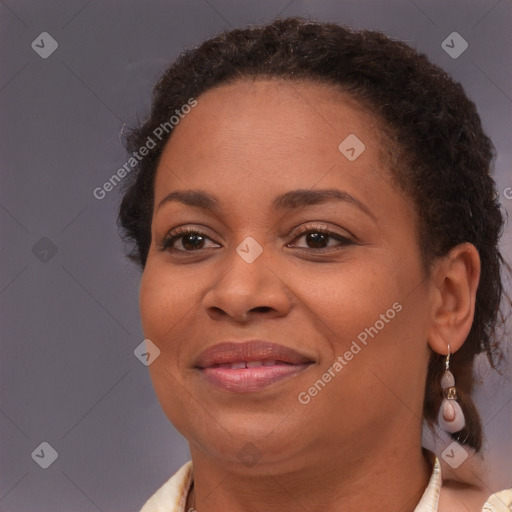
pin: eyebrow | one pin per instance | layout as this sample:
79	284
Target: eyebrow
291	200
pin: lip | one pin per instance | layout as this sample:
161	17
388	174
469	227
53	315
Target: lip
223	364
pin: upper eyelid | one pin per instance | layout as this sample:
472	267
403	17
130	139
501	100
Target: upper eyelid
304	228
184	230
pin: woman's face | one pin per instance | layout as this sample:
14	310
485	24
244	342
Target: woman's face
349	309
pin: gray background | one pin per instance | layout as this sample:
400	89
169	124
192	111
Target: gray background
70	320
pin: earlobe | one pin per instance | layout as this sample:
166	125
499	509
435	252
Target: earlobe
455	281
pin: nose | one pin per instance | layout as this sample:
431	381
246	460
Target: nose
247	291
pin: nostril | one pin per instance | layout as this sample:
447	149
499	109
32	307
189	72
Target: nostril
262	309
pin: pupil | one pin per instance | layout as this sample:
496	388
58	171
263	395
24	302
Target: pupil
194	245
316	239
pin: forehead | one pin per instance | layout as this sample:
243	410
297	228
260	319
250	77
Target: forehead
277	132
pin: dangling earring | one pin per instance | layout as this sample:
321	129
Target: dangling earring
450	416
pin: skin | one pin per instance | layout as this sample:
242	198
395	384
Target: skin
247	143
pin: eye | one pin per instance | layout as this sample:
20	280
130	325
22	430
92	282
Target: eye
191	240
317	239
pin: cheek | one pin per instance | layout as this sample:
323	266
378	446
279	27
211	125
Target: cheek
345	299
165	298
367	312
163	303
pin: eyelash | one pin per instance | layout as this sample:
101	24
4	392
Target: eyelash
168	241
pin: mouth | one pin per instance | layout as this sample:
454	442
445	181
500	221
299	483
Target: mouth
249	366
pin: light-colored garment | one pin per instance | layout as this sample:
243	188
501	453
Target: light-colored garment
172	495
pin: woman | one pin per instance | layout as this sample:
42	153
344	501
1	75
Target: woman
317	228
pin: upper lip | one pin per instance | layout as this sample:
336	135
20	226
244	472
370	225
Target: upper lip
252	350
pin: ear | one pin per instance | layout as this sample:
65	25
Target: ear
454	282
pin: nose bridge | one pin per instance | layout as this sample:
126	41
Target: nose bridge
248	285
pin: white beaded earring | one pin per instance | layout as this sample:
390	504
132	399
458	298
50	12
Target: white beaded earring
450	417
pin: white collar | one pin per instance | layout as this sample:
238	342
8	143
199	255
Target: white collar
430	498
172	495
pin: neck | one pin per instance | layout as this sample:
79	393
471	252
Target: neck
391	478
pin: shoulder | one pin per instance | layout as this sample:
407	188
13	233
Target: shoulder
499	502
467	488
172	495
464	498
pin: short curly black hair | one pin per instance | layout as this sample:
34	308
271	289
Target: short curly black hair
442	159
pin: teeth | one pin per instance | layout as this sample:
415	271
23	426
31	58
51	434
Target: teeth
246	364
252	364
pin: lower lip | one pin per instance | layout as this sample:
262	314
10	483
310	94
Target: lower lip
245	380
